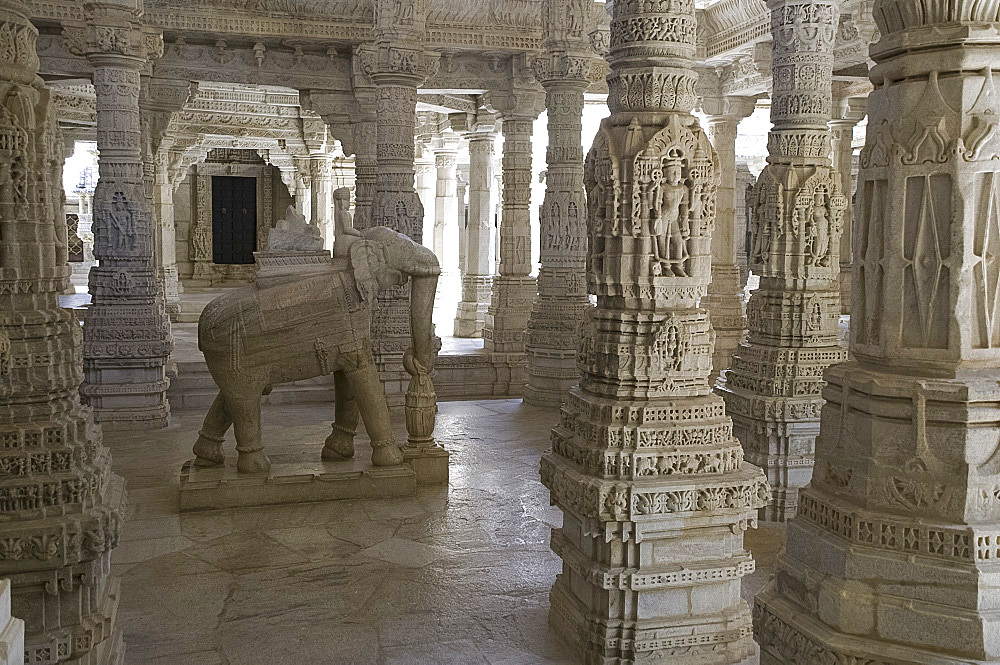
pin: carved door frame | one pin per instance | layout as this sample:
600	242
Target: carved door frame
200	238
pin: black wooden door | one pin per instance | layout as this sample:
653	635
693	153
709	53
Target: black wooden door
234	219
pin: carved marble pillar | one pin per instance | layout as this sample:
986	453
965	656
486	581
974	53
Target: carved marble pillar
477	276
446	229
773	389
127	332
166	235
514	288
62	506
425	181
462	192
397	65
365	159
321	211
745	181
644	465
892	557
847	113
159	100
553	329
724	301
303	189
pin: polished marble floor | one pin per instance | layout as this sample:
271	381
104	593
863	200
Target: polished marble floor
458	575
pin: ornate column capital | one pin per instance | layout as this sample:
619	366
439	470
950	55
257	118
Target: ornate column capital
114	34
849	110
560	67
321	167
474	126
515	104
339	110
727	107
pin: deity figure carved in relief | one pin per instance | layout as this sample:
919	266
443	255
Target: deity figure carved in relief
671	227
818	233
122	222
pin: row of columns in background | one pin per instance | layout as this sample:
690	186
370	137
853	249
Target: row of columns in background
561	290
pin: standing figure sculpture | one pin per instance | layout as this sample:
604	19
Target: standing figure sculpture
671	227
299	325
123	222
818	233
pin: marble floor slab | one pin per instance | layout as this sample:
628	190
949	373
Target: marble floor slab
457	574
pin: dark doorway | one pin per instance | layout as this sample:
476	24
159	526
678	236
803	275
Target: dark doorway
234	219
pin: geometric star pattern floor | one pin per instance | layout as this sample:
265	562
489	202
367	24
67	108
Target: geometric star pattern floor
457	575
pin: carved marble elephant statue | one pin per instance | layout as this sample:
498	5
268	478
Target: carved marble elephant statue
298	325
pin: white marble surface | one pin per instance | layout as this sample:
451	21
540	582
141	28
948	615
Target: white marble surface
457	575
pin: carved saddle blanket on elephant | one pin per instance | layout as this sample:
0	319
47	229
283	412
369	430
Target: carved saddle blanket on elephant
269	326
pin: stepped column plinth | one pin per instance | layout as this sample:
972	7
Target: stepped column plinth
652	484
774	384
892	557
127	333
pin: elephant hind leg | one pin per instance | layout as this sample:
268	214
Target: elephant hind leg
246	422
340	444
208	447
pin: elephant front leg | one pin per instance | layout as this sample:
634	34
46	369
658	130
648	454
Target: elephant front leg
246	422
208	447
340	443
370	396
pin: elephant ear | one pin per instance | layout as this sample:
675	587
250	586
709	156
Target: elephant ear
367	258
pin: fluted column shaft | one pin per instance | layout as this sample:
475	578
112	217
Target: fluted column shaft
773	388
477	278
63	508
644	465
892	556
554	326
127	333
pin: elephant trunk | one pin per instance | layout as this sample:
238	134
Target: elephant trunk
422	292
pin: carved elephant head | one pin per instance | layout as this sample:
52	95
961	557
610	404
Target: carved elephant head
383	259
